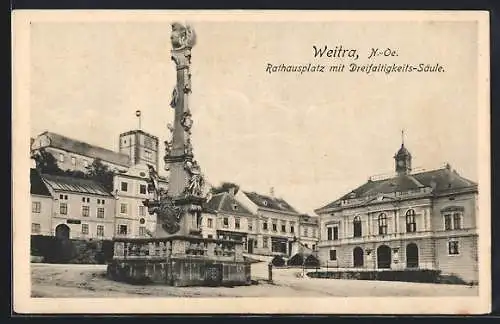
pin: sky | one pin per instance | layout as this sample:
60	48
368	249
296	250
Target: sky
312	137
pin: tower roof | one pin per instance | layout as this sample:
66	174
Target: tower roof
403	151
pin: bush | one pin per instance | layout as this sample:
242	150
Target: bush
278	261
296	260
54	250
311	261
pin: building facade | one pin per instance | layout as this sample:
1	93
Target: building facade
81	208
309	231
421	220
75	155
41	205
130	190
224	217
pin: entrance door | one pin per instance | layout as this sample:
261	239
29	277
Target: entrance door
384	257
412	255
358	257
62	232
250	245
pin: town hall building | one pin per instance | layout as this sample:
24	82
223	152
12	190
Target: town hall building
413	220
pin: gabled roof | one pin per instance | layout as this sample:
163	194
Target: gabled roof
37	186
225	202
71	145
440	180
270	202
75	185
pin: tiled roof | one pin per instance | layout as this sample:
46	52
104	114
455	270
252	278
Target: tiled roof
38	187
269	202
71	145
225	202
439	180
76	185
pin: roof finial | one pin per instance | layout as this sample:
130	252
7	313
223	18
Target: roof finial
402	137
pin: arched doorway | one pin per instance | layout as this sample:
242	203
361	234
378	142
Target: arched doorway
62	232
412	255
384	257
357	255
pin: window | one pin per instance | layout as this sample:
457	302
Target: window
100	230
63	208
142	189
36	207
305	232
357	227
275	227
100	212
210	223
122	229
61	157
148	142
283	228
237	223
411	225
235	207
447	222
453	247
124	186
123	208
142	210
35	228
292	229
63	197
73	160
147	155
225	222
142	231
250	225
142	221
85	211
210	236
333	255
452	221
85	199
314	232
265	243
264	226
85	229
457	221
382	224
332	233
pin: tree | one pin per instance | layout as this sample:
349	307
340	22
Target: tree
225	187
100	173
46	162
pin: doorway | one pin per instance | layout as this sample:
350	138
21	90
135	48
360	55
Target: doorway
384	257
62	232
358	257
412	255
250	246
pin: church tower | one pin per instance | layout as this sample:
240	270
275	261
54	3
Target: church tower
403	158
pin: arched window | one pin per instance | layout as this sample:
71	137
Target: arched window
382	224
411	225
357	227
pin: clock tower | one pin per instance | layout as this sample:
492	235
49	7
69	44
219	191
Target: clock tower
403	158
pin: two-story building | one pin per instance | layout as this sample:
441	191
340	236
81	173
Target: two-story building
76	155
423	220
224	217
132	218
81	208
277	222
41	205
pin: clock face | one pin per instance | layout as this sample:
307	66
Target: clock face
401	163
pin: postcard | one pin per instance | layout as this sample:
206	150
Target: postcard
251	162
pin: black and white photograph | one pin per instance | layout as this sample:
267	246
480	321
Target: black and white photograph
279	162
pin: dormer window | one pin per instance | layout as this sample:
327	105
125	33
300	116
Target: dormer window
265	203
235	207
